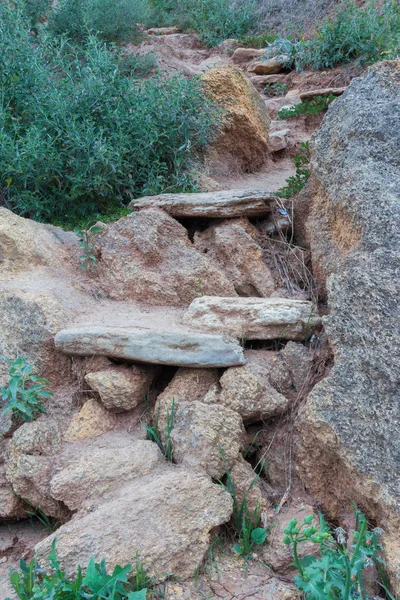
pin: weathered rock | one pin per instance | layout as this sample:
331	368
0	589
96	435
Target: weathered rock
246	118
166	519
88	475
349	447
254	318
269	66
242	55
234	248
163	30
189	385
11	507
309	94
204	437
182	349
248	391
121	388
147	256
260	81
247	486
39	437
278	140
300	363
215	205
92	420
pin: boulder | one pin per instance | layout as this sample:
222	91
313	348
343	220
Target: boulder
254	318
147	256
92	420
310	94
121	388
11	507
248	391
84	476
204	437
184	348
245	118
225	204
269	66
166	518
348	443
189	385
242	55
234	248
278	140
247	486
299	360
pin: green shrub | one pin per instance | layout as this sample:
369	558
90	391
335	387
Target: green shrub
296	182
32	582
110	20
311	107
370	33
79	138
25	393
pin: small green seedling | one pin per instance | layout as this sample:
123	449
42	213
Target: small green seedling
296	182
154	434
88	259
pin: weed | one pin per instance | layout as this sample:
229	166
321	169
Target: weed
258	41
338	574
36	512
311	107
32	582
25	392
296	182
275	89
155	435
88	259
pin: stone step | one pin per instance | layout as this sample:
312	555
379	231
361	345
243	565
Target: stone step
184	349
217	205
254	318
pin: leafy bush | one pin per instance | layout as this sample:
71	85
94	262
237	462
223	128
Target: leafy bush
34	583
370	33
80	138
25	392
111	20
311	107
338	573
296	182
275	89
214	20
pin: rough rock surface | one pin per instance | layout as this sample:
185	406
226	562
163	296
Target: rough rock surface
215	205
254	318
166	519
246	119
242	55
182	349
147	256
121	388
248	391
92	420
234	248
267	67
349	447
11	507
189	385
247	487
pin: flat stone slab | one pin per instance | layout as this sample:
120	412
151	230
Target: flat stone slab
217	205
323	92
184	349
254	318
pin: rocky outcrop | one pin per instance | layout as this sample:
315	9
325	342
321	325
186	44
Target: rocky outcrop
121	388
165	518
183	348
348	442
147	256
254	318
215	205
245	118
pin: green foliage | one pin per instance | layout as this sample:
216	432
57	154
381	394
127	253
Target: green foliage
110	20
88	259
369	33
258	41
214	20
275	89
154	434
80	138
310	107
338	573
25	393
132	64
35	512
296	182
32	582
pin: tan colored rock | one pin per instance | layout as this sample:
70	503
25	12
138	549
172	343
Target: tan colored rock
248	391
11	507
269	66
189	385
201	433
247	486
147	256
242	55
246	119
92	420
234	248
166	519
278	140
216	205
254	318
260	81
164	30
121	388
87	476
309	94
300	362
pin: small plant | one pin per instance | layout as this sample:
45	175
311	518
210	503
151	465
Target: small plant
155	435
25	392
296	182
275	89
338	573
258	41
311	107
35	512
34	583
88	259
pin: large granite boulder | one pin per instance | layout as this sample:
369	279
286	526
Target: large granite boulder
348	432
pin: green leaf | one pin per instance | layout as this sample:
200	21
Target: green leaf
259	535
140	595
237	548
